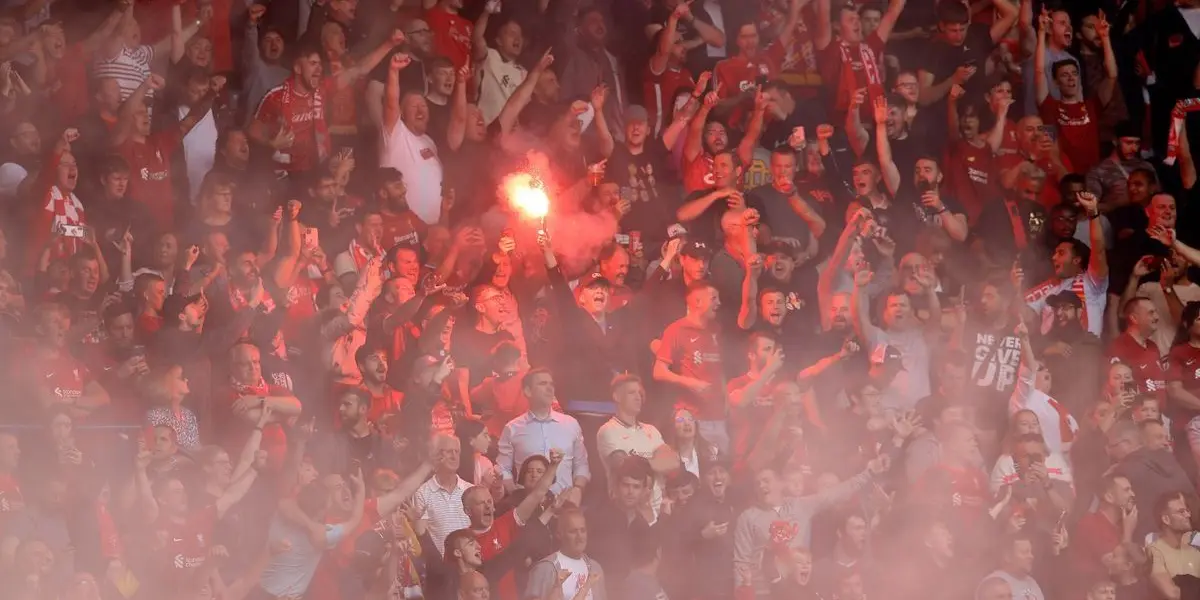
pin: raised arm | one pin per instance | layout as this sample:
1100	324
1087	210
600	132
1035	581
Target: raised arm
887	166
855	132
521	96
753	129
1107	85
824	26
533	499
391	95
693	144
788	33
666	39
364	66
603	135
835	266
408	486
860	315
1187	164
180	35
479	45
888	22
1098	261
1041	84
129	108
456	130
995	137
1007	16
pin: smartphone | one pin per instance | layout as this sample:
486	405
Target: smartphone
309	237
622	239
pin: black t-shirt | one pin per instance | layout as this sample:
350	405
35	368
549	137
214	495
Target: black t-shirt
472	349
439	123
905	153
645	182
900	220
995	356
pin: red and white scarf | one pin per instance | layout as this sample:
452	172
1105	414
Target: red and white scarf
67	210
316	105
360	254
258	389
1178	116
238	299
849	79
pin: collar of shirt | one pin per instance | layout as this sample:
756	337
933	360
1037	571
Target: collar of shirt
550	417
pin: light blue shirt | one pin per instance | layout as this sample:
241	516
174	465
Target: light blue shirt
528	435
289	573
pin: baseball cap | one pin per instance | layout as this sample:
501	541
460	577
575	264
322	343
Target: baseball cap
636	112
1064	297
593	280
885	354
696	249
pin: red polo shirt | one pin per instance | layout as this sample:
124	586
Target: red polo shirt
491	542
1148	364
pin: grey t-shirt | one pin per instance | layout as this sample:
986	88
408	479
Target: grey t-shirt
289	573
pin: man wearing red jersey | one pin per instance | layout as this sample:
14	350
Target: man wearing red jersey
1136	347
55	378
183	534
737	76
1077	118
401	226
970	158
1183	377
451	32
149	154
1036	155
851	62
494	535
290	120
689	359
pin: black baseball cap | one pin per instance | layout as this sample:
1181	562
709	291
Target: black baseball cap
1062	298
696	249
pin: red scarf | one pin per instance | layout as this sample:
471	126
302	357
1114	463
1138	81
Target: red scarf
1178	115
849	80
291	115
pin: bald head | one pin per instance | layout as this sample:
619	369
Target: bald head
473	586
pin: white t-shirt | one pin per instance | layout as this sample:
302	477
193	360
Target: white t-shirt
199	148
1047	409
500	80
641	440
579	574
416	157
1093	290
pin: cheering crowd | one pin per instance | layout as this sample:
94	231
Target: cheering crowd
821	300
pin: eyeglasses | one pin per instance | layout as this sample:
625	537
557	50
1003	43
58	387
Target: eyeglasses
418	31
